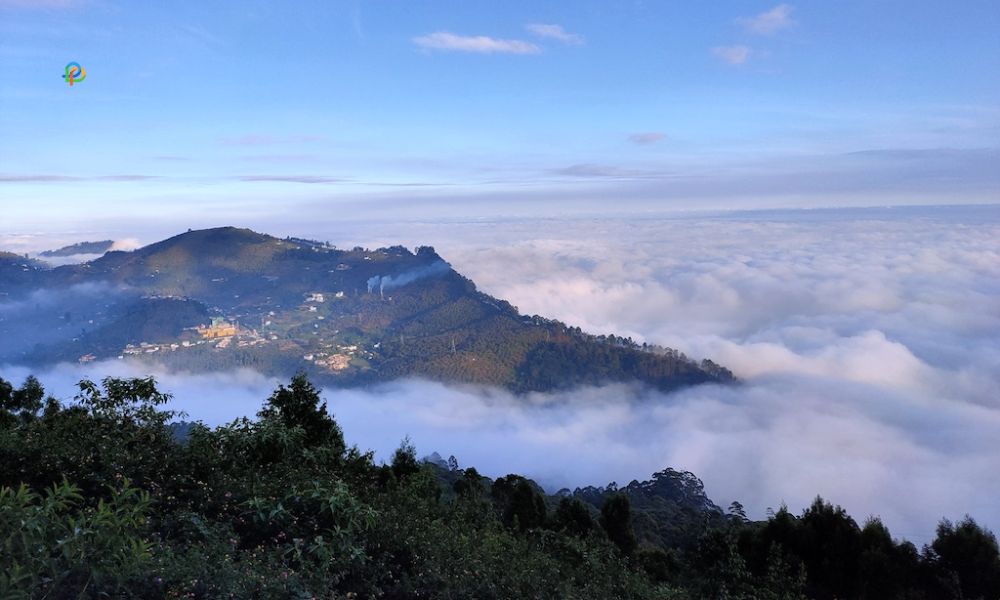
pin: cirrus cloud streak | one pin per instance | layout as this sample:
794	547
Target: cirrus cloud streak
478	44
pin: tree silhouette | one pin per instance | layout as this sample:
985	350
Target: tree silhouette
616	519
300	405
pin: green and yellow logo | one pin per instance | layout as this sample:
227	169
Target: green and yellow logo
74	73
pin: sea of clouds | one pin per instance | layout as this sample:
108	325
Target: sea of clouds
868	342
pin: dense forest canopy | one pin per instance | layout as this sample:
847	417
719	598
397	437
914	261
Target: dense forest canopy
111	497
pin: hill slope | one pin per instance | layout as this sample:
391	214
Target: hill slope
347	317
79	248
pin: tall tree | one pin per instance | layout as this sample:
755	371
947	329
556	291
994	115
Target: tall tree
300	405
616	519
969	553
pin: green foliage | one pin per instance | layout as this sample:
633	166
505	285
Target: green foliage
670	510
55	544
101	499
20	403
299	405
578	359
884	566
125	402
404	460
616	519
967	554
114	430
519	502
722	571
573	517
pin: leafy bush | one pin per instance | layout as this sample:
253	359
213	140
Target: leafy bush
55	545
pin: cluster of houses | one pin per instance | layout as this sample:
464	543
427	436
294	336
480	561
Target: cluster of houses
220	333
147	348
337	360
220	328
315	298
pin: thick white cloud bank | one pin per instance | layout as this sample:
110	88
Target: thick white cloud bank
868	342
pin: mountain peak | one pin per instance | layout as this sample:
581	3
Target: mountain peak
214	237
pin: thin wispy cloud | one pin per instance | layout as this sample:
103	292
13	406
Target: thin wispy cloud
126	177
606	171
407	184
646	138
292	178
478	44
201	35
39	3
770	21
31	178
42	178
256	139
357	23
555	32
279	157
733	55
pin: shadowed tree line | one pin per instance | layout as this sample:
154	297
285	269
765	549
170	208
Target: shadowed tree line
109	497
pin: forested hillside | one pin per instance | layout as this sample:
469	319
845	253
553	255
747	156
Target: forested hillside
79	248
345	317
107	497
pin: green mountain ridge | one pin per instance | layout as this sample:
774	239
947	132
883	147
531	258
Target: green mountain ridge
346	317
79	248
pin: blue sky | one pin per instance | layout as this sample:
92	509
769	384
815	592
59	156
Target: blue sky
193	110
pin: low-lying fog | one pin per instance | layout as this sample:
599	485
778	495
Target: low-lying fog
868	341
